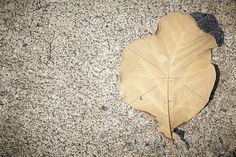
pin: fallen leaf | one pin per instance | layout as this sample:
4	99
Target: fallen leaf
169	74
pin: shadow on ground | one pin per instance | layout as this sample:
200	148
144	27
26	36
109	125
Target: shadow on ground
209	24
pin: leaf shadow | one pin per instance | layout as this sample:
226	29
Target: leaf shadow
216	82
209	24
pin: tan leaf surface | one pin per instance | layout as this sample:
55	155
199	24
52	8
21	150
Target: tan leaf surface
169	74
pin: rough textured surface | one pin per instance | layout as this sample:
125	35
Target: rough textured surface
59	91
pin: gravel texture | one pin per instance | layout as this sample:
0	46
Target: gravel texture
59	84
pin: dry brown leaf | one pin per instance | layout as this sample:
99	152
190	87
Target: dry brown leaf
169	74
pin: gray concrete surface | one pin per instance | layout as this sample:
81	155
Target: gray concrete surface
59	90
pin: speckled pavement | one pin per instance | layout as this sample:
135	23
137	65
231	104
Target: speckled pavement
59	84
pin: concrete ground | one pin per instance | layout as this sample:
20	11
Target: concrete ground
59	84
